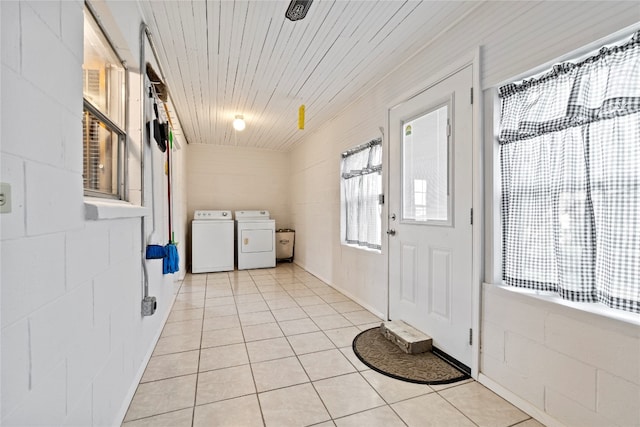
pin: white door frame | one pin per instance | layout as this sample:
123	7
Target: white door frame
473	59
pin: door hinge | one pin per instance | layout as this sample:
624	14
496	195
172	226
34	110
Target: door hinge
448	128
470	336
471	216
471	95
381	199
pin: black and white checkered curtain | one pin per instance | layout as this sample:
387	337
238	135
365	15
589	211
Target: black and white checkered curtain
361	170
570	164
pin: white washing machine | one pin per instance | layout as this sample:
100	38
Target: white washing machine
256	233
211	241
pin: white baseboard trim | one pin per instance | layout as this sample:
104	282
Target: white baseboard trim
519	402
358	301
355	299
134	385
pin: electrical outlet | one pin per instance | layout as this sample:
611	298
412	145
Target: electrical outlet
5	197
149	306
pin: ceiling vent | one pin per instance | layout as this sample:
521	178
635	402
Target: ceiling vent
298	9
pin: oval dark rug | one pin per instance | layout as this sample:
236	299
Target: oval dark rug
381	355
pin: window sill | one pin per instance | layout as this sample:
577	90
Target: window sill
97	209
595	309
362	248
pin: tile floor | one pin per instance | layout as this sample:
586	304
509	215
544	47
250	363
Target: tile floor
272	347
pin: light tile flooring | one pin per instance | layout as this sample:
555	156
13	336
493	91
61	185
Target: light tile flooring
272	347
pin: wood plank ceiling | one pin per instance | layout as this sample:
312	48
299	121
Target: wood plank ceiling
223	58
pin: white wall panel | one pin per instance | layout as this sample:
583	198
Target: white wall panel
568	412
74	341
585	361
33	274
529	389
10	28
27	140
12	170
545	32
239	179
15	381
617	398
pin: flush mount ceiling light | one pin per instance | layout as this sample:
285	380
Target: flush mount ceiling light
238	123
298	9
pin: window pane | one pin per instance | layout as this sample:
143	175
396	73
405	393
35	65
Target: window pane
361	185
425	168
103	74
100	161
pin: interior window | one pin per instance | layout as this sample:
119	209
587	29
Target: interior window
361	189
104	111
570	156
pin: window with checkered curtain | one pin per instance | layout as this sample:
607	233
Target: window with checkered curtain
361	186
570	165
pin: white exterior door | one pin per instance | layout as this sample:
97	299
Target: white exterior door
430	232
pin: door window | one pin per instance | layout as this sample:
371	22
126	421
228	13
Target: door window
425	167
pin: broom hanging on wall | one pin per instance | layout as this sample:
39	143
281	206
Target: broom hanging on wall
171	261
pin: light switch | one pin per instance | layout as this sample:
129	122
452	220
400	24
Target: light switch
5	197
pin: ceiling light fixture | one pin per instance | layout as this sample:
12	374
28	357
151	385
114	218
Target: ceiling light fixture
298	9
238	123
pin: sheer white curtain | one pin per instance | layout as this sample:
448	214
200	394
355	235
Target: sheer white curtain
570	165
361	185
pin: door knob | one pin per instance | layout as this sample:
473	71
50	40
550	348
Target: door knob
391	232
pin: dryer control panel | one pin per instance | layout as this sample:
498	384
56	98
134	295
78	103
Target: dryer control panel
211	215
242	215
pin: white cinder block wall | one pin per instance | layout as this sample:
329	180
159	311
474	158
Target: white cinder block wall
238	178
315	204
73	339
541	356
579	368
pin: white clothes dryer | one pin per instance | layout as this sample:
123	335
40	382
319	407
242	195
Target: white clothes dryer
256	234
211	241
